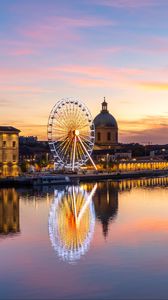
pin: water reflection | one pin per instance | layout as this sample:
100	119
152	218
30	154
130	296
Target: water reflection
128	184
131	214
9	212
71	222
73	212
106	204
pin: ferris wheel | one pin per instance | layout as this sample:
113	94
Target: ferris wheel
71	133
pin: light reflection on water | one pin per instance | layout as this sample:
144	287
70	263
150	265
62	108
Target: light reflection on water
115	233
71	222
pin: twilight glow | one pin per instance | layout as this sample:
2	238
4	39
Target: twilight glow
50	49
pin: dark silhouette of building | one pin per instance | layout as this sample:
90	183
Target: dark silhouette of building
106	203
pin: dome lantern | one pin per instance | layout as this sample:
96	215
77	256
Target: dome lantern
104	106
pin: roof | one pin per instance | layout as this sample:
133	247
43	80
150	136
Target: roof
105	119
9	129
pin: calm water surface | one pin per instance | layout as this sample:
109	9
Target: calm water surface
104	240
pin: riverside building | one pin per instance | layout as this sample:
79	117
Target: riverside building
9	150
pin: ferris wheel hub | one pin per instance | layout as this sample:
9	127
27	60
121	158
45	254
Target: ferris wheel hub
76	132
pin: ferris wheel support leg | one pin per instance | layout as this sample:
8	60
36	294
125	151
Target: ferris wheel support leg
73	161
87	153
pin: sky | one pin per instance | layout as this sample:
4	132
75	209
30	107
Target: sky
86	49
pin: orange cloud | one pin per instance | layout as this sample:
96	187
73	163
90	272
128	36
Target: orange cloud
162	86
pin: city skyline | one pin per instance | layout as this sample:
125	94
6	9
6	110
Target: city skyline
86	49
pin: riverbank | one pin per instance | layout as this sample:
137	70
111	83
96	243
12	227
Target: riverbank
57	179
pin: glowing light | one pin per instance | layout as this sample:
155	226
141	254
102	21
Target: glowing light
76	132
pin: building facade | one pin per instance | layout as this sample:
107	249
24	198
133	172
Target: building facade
9	151
106	128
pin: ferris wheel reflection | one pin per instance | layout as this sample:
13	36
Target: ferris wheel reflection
71	222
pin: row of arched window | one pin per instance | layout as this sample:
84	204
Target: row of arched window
109	136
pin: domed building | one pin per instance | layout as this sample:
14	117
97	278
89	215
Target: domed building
106	128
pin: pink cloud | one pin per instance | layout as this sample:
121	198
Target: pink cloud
62	28
21	88
127	3
17	48
91	82
97	76
69	73
20	52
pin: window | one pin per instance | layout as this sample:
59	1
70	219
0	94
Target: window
98	136
109	136
4	143
14	157
4	158
14	144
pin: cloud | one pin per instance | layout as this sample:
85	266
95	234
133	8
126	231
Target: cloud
21	52
61	29
89	76
5	102
149	129
28	89
162	86
27	129
127	3
97	76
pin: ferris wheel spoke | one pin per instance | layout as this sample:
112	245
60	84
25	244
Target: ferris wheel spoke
59	149
60	127
83	126
60	123
87	145
80	152
87	152
67	147
59	134
62	139
74	152
60	131
86	139
61	119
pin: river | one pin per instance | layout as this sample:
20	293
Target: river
105	240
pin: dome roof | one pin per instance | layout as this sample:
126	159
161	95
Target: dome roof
104	118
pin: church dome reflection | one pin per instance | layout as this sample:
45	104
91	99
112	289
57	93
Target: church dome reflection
106	204
71	222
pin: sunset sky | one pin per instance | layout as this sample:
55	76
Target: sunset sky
87	49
